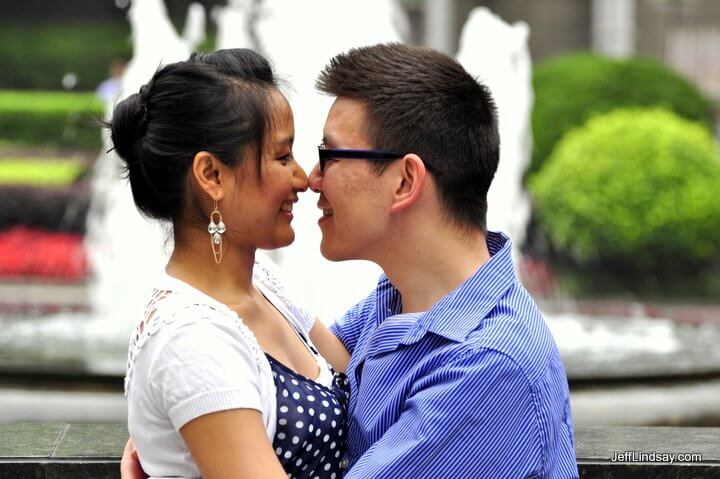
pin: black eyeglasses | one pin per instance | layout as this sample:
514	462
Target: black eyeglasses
326	154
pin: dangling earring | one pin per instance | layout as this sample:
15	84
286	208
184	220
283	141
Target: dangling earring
216	230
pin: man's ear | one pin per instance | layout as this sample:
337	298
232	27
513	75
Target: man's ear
411	180
209	174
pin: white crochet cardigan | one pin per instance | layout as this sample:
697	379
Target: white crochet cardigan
175	304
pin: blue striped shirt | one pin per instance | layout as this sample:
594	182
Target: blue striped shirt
473	388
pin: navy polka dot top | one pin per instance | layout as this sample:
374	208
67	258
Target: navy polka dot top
311	423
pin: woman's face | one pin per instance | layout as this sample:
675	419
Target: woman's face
258	212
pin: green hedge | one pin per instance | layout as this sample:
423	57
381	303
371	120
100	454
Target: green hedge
637	188
40	171
55	119
37	56
572	88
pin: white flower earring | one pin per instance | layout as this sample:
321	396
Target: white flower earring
216	231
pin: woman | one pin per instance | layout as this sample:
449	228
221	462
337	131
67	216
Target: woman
223	379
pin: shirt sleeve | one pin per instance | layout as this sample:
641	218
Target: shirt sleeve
204	367
348	328
474	417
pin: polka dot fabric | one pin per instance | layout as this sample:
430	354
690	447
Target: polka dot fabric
311	424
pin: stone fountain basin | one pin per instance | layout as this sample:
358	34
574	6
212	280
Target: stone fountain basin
592	347
611	347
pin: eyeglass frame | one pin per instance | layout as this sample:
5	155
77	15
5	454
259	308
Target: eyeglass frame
325	154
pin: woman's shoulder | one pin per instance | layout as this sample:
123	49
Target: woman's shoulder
177	315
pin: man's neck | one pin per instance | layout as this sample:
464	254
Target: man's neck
426	267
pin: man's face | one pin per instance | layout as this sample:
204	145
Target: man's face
354	201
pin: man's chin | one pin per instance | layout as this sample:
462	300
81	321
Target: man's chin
330	253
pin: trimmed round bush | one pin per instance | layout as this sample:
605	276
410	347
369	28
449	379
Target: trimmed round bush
633	188
572	88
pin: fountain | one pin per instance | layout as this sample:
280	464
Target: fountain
121	243
126	249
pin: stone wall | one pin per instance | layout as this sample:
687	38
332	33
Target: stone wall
82	451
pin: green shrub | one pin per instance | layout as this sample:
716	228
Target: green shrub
40	171
59	119
633	188
37	56
572	88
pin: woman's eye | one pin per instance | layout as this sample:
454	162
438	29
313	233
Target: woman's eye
286	158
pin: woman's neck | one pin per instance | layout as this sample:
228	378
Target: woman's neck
229	282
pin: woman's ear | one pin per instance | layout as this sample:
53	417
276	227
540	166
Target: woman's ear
206	170
411	179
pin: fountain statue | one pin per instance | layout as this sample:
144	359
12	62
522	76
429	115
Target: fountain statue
234	24
497	54
125	248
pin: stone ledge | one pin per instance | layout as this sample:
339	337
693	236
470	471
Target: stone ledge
61	451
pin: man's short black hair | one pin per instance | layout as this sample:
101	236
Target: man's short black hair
424	102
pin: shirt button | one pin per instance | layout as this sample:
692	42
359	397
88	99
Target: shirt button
344	463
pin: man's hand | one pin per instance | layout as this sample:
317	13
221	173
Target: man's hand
130	463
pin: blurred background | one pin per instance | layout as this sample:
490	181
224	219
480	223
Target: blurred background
608	185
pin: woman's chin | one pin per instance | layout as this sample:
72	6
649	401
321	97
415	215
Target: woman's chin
280	240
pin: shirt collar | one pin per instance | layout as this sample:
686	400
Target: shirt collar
459	312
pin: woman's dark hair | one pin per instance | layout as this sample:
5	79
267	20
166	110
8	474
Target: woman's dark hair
215	102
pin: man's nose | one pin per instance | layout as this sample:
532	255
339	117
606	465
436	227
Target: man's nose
315	179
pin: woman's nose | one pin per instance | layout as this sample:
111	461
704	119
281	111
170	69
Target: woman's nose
300	179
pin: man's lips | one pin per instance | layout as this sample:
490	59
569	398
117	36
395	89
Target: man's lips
326	209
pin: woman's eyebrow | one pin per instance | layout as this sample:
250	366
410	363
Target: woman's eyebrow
288	140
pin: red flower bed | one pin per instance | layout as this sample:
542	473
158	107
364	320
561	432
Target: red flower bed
35	252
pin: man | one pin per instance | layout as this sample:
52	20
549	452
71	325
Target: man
453	371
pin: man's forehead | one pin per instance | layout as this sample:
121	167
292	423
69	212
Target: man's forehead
346	121
346	106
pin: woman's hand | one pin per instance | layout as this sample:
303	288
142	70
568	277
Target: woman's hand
330	347
130	463
232	444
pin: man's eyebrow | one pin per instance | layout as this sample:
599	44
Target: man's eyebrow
328	140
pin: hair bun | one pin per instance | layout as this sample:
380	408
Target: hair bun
128	125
